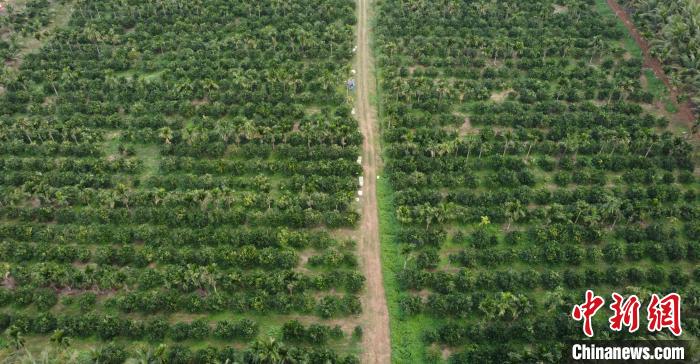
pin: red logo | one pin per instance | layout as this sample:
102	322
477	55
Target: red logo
626	313
662	313
587	310
665	313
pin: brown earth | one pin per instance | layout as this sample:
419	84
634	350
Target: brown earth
376	342
685	112
560	9
500	96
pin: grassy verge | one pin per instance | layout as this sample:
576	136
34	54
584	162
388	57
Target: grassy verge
406	342
655	85
627	42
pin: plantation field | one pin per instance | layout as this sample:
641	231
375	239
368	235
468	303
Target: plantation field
195	182
178	182
529	156
671	32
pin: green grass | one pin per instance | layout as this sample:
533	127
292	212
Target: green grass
406	343
149	154
112	143
657	88
655	85
406	331
153	75
627	42
270	325
670	107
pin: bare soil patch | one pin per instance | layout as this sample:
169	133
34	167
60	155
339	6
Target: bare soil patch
560	9
303	260
644	81
466	127
8	281
311	110
376	341
500	96
446	353
35	202
48	101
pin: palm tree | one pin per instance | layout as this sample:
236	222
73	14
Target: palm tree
249	131
597	46
581	207
225	128
620	140
166	134
485	147
60	338
572	143
404	214
267	351
429	214
506	145
16	337
271	33
94	36
514	212
333	32
470	140
530	144
121	191
52	76
146	355
209	85
67	76
661	48
592	218
555	299
184	88
24	125
612	209
485	221
505	305
628	86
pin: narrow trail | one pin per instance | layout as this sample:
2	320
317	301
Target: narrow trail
376	342
685	111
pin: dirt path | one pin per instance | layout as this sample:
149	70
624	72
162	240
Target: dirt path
685	112
376	344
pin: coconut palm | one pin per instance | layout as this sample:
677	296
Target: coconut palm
514	211
267	351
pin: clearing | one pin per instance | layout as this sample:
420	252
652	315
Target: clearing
377	348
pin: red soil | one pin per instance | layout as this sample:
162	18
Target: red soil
685	111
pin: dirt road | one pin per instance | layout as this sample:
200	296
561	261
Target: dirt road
685	112
376	344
